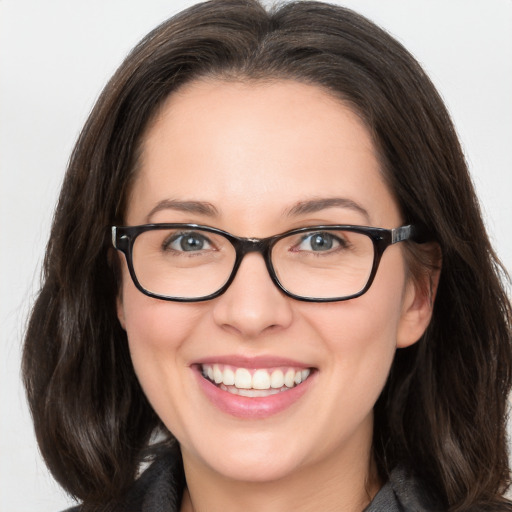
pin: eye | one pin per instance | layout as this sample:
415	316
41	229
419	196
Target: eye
319	242
187	242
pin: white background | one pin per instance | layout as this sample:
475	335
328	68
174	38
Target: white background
55	58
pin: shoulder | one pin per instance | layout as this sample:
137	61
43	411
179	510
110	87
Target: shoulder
413	493
159	487
405	493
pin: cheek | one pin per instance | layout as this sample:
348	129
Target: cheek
361	334
360	339
152	324
155	329
363	325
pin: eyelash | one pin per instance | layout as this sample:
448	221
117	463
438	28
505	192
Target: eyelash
166	245
342	243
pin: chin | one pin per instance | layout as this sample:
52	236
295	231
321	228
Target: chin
256	472
258	461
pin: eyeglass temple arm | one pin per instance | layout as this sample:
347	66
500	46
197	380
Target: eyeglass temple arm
416	233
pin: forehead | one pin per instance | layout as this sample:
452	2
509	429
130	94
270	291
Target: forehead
252	147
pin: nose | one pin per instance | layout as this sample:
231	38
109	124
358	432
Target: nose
252	304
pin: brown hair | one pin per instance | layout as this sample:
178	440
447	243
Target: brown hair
443	410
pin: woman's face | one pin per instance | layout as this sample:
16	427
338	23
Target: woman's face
242	157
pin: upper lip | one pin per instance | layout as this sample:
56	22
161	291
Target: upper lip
252	362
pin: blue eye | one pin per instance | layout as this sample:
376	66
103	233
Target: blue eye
319	242
187	242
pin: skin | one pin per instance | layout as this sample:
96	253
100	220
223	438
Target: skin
254	151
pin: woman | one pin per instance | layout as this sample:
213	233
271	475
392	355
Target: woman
215	303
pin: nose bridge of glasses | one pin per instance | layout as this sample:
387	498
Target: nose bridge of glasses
247	245
244	246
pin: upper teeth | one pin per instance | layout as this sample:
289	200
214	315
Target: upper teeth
261	378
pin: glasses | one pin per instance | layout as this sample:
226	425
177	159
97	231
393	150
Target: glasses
192	263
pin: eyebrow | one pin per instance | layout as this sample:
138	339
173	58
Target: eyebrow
316	205
198	207
300	208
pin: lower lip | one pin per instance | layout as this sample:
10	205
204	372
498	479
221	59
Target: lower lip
256	407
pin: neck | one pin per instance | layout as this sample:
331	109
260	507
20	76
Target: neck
338	483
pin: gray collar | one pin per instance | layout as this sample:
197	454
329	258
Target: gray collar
403	493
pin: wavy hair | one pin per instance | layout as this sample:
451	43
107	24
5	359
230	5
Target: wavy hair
443	410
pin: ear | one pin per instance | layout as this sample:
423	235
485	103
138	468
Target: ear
418	302
120	309
116	269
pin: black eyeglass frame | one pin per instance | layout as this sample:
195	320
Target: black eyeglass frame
123	239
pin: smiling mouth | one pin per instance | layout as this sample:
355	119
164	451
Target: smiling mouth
258	382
